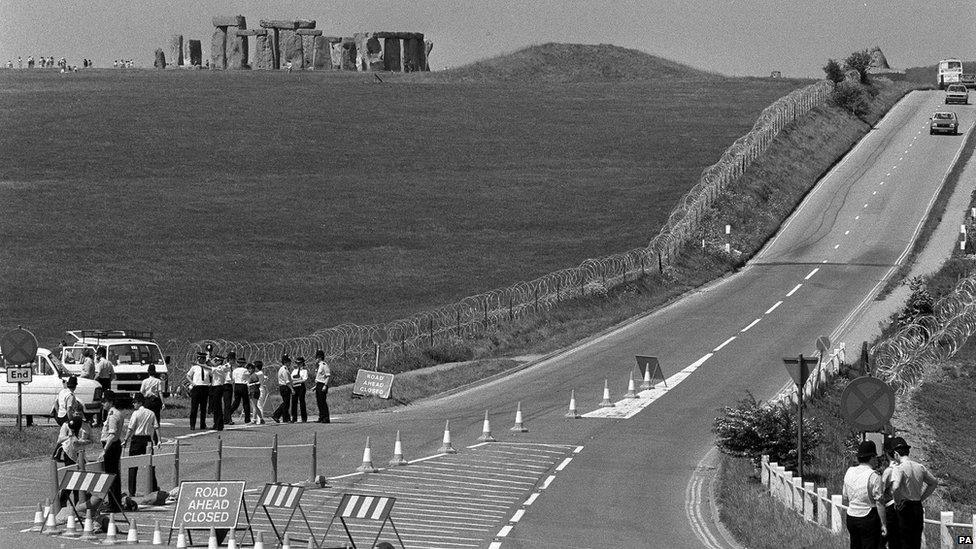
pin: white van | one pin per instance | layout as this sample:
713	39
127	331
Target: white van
130	352
40	394
950	70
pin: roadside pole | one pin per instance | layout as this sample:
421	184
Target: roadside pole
799	370
19	348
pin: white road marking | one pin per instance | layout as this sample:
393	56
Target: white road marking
773	308
629	407
882	183
813	272
865	204
824	261
874	193
517	516
578	450
548	481
900	158
531	499
847	233
856	217
751	324
504	531
495	545
563	465
724	343
793	291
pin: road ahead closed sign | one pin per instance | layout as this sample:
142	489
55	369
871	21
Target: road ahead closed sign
205	504
370	383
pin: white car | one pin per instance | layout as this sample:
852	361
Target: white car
40	394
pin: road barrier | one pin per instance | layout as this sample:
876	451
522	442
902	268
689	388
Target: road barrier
474	314
815	506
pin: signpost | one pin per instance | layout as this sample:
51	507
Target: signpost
867	403
799	370
19	348
370	383
206	504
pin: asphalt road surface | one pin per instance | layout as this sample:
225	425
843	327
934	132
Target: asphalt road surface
631	482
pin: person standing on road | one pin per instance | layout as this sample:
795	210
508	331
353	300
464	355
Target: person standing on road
88	364
218	375
256	391
199	378
228	395
112	451
104	374
866	522
284	389
322	376
140	434
66	401
152	391
240	376
911	484
299	377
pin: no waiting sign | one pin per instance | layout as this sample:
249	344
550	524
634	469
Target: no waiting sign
201	505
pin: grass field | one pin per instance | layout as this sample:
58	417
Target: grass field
262	205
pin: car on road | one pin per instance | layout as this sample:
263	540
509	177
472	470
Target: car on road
968	80
40	394
944	122
130	352
957	93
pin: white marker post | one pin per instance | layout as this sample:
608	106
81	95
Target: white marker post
728	239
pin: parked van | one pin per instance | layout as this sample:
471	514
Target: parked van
40	394
130	352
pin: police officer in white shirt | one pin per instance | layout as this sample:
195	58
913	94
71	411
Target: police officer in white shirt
66	401
199	378
240	376
218	375
322	376
284	389
140	433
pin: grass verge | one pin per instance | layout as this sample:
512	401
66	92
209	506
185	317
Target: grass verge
31	442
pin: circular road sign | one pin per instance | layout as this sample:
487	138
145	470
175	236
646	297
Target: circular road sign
823	344
18	346
867	403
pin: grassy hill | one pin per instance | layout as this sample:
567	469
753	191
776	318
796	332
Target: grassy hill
565	63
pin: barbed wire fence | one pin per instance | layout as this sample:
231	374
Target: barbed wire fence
475	314
900	359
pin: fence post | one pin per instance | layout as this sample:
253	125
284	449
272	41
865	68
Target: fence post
822	518
945	534
836	501
486	315
430	332
55	493
313	465
459	315
764	471
220	455
558	287
642	265
151	470
536	302
82	466
660	263
274	459
809	495
176	464
511	313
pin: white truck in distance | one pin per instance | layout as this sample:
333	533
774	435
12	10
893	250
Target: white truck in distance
949	72
130	352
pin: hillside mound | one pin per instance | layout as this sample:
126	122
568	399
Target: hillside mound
554	62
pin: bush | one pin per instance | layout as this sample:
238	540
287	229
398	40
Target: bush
833	71
852	97
859	61
752	429
920	303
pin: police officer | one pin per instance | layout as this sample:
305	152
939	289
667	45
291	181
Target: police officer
199	378
218	374
284	389
228	394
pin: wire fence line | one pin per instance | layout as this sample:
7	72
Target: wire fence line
900	360
474	314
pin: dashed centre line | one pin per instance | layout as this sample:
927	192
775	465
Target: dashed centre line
793	291
773	308
836	246
813	272
856	217
847	233
874	193
724	343
751	324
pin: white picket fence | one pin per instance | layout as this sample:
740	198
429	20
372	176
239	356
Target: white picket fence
826	371
817	507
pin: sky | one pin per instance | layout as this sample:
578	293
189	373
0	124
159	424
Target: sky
734	37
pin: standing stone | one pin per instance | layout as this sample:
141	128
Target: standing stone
186	53
236	49
262	56
292	50
196	53
277	34
411	54
369	51
349	54
218	48
391	54
160	62
322	52
336	50
176	50
428	46
308	37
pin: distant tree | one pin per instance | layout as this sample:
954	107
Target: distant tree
859	61
754	428
833	71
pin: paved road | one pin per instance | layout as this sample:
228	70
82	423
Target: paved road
628	485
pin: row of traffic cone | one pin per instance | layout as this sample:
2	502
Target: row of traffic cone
45	522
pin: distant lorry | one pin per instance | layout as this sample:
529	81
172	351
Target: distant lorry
130	352
949	72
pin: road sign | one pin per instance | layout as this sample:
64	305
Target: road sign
201	505
370	383
18	346
20	374
651	367
823	344
798	370
867	403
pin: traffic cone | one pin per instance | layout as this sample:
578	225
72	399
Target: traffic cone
88	532
232	539
38	519
446	447
157	537
112	531
181	539
71	527
631	389
367	466
397	458
132	536
518	427
47	508
286	543
486	431
647	379
572	413
606	402
212	540
259	540
51	527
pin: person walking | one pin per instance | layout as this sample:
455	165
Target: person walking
240	376
228	394
218	375
284	389
911	484
299	379
199	378
322	376
112	451
139	436
66	402
152	391
866	521
256	391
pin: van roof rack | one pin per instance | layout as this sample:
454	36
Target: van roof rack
112	334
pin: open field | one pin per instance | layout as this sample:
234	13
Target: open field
261	205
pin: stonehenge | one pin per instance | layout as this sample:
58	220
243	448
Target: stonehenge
280	43
160	62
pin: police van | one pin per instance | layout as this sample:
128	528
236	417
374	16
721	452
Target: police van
130	352
40	394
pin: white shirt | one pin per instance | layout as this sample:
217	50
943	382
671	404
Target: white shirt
104	369
284	376
198	375
66	399
862	488
142	423
299	377
218	375
240	375
151	386
323	373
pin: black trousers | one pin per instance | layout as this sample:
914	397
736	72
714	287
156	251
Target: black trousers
298	400
321	400
240	395
217	406
228	398
911	522
865	531
894	537
198	402
281	412
137	447
110	460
